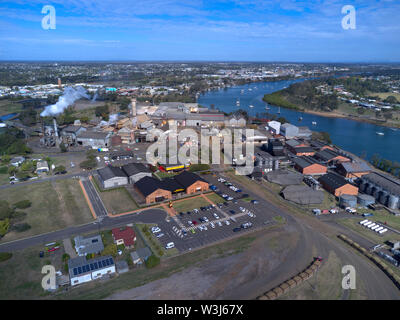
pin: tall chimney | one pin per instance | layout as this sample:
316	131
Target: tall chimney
59	83
55	127
133	107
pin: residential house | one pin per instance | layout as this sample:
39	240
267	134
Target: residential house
88	245
41	167
125	236
82	270
141	255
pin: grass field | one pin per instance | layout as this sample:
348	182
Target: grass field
190	204
7	106
215	198
20	277
118	201
369	234
325	284
54	206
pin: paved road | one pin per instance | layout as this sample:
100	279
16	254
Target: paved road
94	198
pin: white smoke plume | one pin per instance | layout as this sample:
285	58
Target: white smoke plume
69	96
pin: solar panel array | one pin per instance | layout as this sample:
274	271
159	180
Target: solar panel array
92	266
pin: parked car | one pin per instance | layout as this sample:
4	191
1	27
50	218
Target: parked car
232	211
368	214
216	216
237	229
159	235
194	222
227	222
246	225
254	201
155	229
219	223
212	225
170	245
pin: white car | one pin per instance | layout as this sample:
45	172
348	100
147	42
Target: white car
216	216
205	219
242	209
219	223
227	222
251	215
212	225
190	223
170	245
229	198
159	235
155	229
351	210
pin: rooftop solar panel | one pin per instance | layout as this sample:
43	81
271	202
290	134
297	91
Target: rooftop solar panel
75	270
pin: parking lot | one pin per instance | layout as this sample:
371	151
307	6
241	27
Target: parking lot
220	220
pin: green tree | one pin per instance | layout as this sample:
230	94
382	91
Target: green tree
4	226
152	261
59	169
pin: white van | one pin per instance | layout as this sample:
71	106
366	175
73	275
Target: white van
170	245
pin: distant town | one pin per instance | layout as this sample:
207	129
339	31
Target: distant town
78	192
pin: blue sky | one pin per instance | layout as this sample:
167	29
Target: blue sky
222	30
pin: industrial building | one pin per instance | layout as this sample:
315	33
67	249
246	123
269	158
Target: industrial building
111	177
303	195
331	157
385	189
289	131
352	170
309	166
152	190
337	185
93	139
192	182
136	171
274	127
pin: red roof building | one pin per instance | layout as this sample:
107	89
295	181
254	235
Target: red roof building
125	236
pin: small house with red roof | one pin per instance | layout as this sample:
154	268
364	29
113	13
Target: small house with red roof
125	236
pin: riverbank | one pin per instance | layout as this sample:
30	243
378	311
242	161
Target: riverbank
276	99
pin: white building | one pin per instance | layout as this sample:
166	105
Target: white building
42	166
274	127
82	270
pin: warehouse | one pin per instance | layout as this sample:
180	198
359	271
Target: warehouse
353	170
152	190
136	171
331	157
93	139
304	151
303	195
309	166
289	131
111	177
337	185
191	182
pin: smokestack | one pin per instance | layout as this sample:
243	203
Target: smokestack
133	107
55	127
59	83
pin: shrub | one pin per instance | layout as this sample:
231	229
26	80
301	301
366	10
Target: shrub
3	170
21	227
65	257
152	261
18	216
23	204
4	225
5	210
5	256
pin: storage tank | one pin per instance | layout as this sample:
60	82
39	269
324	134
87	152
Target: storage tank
364	200
376	192
362	186
393	202
276	164
383	197
347	200
368	188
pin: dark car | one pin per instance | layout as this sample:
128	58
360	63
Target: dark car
202	208
41	254
188	212
226	203
245	195
237	229
61	172
232	211
181	214
254	201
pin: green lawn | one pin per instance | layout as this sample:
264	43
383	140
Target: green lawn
190	204
215	198
118	200
55	206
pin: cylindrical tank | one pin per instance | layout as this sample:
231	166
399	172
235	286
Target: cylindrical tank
376	192
368	188
364	200
393	202
347	200
383	197
362	186
276	164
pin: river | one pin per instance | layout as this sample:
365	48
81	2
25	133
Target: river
359	138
